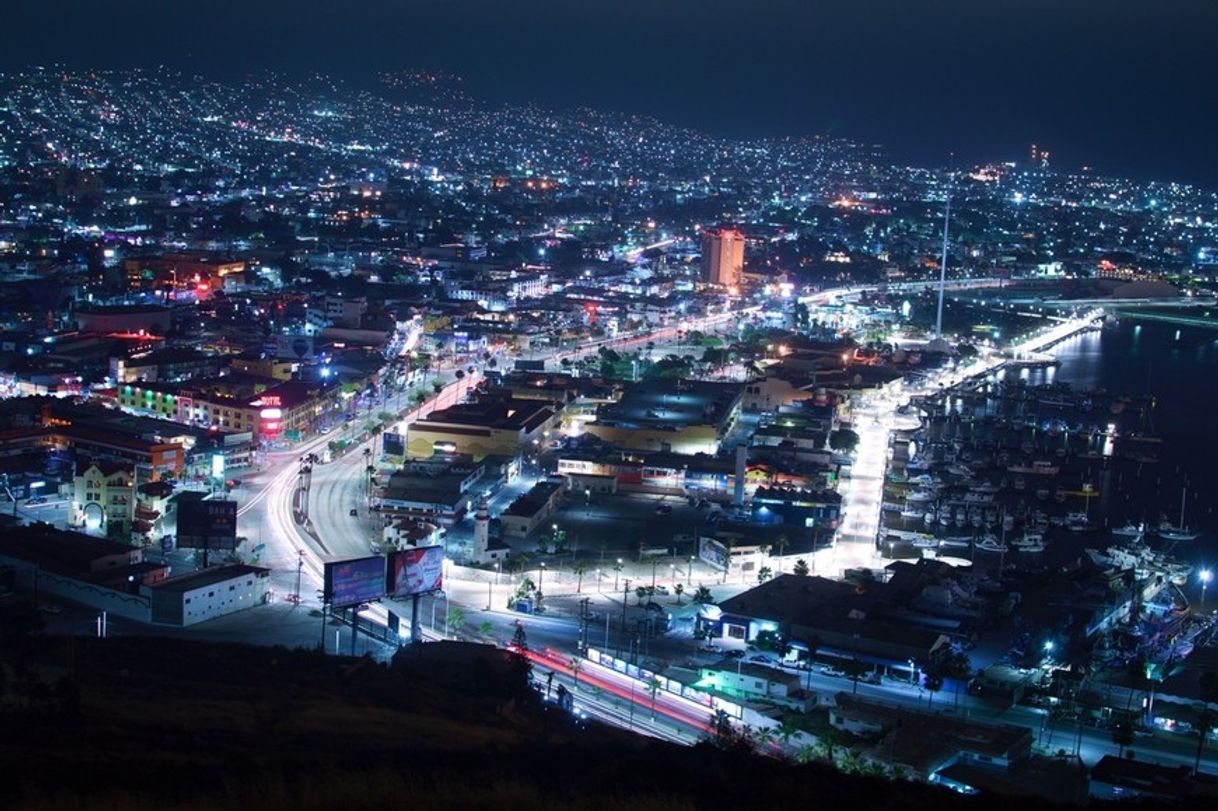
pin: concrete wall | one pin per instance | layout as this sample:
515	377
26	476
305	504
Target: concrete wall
131	606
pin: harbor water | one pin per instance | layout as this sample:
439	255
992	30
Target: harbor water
1178	367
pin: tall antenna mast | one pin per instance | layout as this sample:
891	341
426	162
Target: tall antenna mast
947	213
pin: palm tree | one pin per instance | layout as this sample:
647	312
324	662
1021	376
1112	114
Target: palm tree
764	574
576	664
781	543
932	680
827	743
1122	735
958	667
653	687
456	618
813	645
806	753
801	568
854	669
787	729
640	592
763	737
703	596
679	589
580	570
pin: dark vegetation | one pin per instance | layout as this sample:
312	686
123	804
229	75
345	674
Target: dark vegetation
137	723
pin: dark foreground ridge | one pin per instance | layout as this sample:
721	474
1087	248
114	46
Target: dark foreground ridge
137	723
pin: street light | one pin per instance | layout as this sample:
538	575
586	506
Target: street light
617	570
541	573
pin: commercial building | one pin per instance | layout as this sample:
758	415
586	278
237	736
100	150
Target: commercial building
206	594
169	273
936	747
680	416
500	426
104	497
723	257
98	572
438	489
531	510
1114	778
235	404
123	318
846	621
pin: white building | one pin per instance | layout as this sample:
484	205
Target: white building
207	594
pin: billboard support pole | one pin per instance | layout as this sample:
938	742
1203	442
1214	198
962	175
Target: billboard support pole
416	631
323	625
354	627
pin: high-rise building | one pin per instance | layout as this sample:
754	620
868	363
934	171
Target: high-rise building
723	257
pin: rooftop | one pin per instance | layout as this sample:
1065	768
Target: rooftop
672	404
207	577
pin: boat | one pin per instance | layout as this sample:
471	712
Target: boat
1030	537
921	497
1129	530
911	513
1177	532
1079	522
1029	547
1037	468
1167	532
991	544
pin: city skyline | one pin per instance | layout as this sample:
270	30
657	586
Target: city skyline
1120	87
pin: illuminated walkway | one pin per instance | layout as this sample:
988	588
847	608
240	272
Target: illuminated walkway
875	418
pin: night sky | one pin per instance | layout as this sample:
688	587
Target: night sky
1128	86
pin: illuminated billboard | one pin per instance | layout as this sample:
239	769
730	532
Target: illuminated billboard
416	570
206	524
354	581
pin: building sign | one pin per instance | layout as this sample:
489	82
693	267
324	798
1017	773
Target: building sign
712	553
416	570
204	524
354	581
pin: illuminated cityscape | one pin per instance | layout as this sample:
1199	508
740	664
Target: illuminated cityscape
389	418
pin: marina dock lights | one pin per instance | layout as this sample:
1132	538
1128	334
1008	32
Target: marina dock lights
1206	575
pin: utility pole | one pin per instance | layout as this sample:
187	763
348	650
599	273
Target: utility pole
625	599
299	573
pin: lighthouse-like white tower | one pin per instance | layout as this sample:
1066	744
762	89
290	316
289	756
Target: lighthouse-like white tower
482	532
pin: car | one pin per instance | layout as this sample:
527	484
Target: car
37	500
761	659
50	608
354	512
735	654
663	590
663	509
